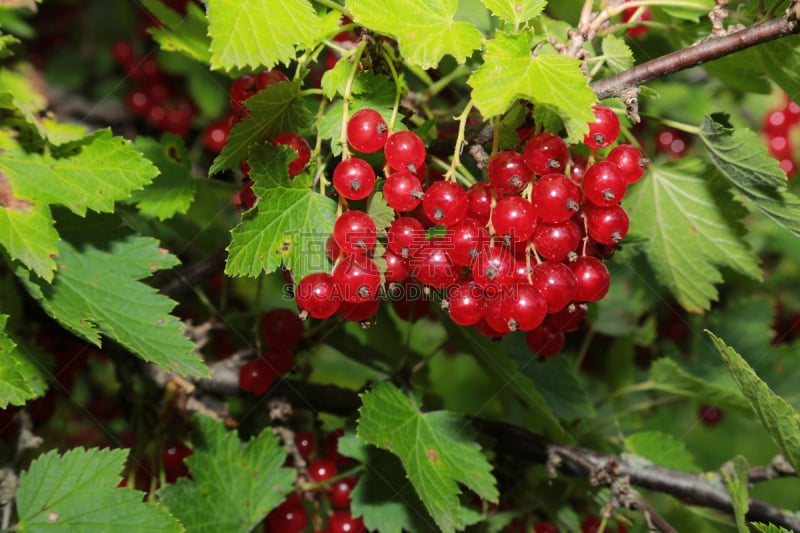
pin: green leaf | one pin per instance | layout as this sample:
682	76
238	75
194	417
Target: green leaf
778	417
692	225
77	492
289	224
769	528
6	42
282	27
510	71
743	159
680	9
95	291
662	449
516	11
383	496
437	449
234	484
188	35
172	191
668	377
14	388
617	56
779	60
273	110
425	31
27	232
746	324
380	212
736	482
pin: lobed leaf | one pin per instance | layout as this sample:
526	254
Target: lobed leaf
662	449
78	492
188	35
510	71
668	377
234	484
516	11
437	449
172	191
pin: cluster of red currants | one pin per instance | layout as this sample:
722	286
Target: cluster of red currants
778	125
292	515
282	331
519	252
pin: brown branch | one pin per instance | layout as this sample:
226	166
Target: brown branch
697	54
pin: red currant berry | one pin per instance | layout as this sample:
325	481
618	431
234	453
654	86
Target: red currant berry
604	130
592	277
776	122
404	150
604	184
556	197
300	146
331	446
483	327
546	154
269	77
445	203
123	53
672	142
255	376
514	219
355	232
606	225
520	307
556	242
403	191
465	303
344	522
172	459
432	264
215	136
340	491
242	88
359	312
354	179
568	319
557	284
280	359
288	517
367	131
578	168
405	236
282	328
645	16
138	102
315	294
357	279
332	249
508	173
494	268
480	202
304	440
397	268
322	470
630	161
545	341
709	415
245	198
544	527
467	239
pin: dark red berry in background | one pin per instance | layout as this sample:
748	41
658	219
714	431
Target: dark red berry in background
480	202
709	415
592	525
332	249
288	517
604	184
356	278
215	136
322	469
577	168
545	341
568	319
354	178
339	492
403	191
331	446
304	440
514	219
367	131
269	77
544	527
546	153
508	173
315	294
343	522
404	150
280	359
445	203
172	458
300	146
630	161
672	142
592	277
241	89
483	327
282	327
255	376
355	232
604	129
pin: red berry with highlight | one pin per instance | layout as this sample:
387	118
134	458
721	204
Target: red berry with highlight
354	179
592	277
403	191
445	203
604	129
630	161
355	232
255	376
357	279
556	197
315	294
508	172
405	150
604	184
367	131
546	153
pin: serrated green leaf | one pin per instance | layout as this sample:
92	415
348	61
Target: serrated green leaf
510	71
335	79
172	191
425	31
380	212
662	449
77	492
746	324
668	377
96	290
736	482
282	27
13	387
274	110
28	234
188	35
104	170
437	449
516	11
19	83
780	420
6	42
769	528
692	225
779	60
289	224
383	496
234	484
617	56
743	160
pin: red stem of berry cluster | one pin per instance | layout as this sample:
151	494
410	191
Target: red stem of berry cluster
697	54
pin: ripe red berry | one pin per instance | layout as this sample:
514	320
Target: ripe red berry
405	236
465	303
577	168
397	268
288	517
172	459
592	277
356	278
545	341
255	376
514	219
282	328
269	77
494	268
322	469
606	225
304	440
280	359
546	154
367	131
709	415
355	232
557	284
604	184
405	150
354	178
467	239
315	294
246	198
215	136
672	142
556	242
630	161
480	202
331	447
432	264
556	197
445	203
300	146
339	493
544	527
604	129
508	172
344	522
403	191
359	311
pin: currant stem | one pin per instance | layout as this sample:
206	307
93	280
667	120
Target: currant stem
320	173
440	84
464	176
450	175
348	95
399	84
